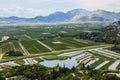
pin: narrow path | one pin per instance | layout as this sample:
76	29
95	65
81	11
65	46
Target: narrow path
114	65
25	52
28	37
1	55
44	45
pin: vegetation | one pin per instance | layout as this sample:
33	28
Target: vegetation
60	38
14	53
20	62
54	57
97	63
31	72
38	59
33	46
107	65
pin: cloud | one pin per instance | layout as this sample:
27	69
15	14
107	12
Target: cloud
22	12
112	5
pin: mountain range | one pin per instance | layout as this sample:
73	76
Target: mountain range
70	16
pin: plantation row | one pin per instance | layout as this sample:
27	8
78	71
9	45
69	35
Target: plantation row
11	46
33	46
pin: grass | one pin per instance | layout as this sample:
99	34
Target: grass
97	63
0	50
53	57
67	43
38	59
114	49
61	46
20	62
11	45
34	47
39	46
107	65
17	46
7	47
87	42
73	42
30	46
118	67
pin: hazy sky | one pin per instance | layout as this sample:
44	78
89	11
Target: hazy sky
31	8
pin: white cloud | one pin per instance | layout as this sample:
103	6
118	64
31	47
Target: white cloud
112	5
22	12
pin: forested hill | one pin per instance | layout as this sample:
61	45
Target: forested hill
107	34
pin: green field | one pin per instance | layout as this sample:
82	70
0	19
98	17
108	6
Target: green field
53	57
66	43
17	46
107	65
8	47
59	46
97	63
33	46
59	37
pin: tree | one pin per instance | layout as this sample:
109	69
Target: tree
116	26
14	53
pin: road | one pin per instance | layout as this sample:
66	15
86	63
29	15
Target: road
114	65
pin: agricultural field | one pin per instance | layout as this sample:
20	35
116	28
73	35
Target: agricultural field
13	45
67	43
43	43
7	47
33	46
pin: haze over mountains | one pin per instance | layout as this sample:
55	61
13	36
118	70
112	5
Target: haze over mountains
70	16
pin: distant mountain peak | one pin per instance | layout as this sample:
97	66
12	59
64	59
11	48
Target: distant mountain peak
73	15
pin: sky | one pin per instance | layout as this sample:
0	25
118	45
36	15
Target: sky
32	8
